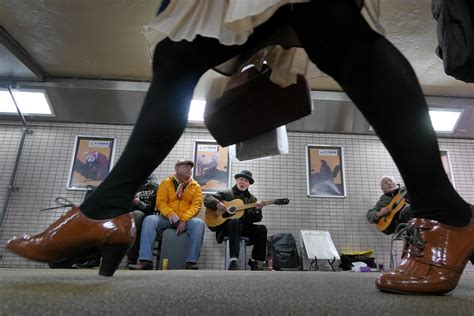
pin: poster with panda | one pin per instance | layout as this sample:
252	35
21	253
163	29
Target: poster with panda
91	161
211	166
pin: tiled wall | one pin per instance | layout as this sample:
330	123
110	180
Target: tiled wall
46	158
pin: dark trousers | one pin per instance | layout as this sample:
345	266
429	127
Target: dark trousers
257	235
375	75
132	255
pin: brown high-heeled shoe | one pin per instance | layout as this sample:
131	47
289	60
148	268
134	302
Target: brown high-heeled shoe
74	235
434	258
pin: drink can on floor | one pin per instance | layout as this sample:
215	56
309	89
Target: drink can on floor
270	263
165	264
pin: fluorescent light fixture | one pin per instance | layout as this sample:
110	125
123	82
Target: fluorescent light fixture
196	111
445	120
30	102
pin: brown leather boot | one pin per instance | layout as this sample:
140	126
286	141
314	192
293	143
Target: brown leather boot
74	235
434	258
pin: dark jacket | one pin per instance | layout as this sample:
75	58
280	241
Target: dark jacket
383	201
147	195
455	37
251	215
403	216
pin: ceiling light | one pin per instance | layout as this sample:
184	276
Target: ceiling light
445	120
30	102
196	111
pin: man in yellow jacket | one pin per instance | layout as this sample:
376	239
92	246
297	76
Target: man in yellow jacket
179	200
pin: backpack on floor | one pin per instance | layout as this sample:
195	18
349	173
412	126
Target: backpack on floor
284	252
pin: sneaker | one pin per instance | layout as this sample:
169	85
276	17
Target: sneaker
233	265
88	264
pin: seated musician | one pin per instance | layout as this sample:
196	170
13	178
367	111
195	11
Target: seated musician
179	200
244	226
390	190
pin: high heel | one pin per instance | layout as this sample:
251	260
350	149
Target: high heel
434	259
74	235
111	257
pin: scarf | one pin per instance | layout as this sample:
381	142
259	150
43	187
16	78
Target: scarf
180	185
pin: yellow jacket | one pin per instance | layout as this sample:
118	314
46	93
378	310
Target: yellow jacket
186	208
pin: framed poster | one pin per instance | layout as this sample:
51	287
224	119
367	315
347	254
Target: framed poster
91	161
447	165
211	166
325	171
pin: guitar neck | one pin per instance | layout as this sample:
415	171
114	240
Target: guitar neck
251	205
400	198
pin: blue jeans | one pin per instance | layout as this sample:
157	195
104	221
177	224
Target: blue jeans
154	224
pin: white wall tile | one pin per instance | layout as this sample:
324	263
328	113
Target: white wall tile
45	161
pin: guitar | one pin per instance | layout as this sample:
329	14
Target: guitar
235	209
397	203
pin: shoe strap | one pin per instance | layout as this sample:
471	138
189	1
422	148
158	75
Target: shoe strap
62	202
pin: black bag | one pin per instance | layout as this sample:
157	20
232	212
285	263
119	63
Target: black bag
347	260
455	37
253	101
283	251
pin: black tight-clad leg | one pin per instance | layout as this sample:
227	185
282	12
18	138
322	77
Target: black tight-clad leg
383	85
177	67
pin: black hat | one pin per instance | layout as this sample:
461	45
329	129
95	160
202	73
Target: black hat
246	174
184	162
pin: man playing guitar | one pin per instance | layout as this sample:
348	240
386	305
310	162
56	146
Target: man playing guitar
244	226
392	207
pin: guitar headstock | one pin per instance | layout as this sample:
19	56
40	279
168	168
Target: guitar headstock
281	201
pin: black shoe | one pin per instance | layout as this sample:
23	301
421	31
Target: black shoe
88	264
191	266
253	265
131	262
67	264
142	265
220	237
233	265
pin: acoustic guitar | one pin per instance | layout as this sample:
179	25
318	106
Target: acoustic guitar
397	203
235	209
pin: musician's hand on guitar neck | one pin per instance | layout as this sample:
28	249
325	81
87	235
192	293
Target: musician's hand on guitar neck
259	205
221	208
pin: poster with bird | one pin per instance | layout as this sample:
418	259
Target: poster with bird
211	166
325	171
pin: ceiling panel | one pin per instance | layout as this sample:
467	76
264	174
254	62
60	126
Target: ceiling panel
97	40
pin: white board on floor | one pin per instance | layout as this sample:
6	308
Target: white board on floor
318	244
